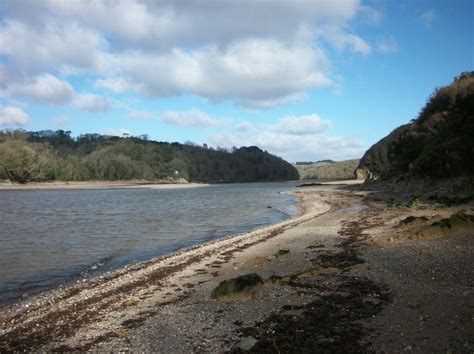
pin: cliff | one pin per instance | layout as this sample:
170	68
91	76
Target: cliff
438	144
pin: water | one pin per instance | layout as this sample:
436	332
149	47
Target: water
49	237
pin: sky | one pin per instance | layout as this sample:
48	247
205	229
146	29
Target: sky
303	79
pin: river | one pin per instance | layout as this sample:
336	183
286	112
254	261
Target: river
52	237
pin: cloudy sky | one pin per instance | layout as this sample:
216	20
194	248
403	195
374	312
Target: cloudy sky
305	80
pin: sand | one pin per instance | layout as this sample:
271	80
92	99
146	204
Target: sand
335	280
97	185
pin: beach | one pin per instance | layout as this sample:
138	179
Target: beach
98	185
341	276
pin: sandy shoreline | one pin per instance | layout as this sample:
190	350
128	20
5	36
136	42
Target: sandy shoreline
331	276
97	185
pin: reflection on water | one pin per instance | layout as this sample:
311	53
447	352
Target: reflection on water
52	236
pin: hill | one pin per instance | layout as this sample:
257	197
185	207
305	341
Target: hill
55	155
439	144
327	169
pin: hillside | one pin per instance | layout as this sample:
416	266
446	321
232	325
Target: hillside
327	170
56	156
439	144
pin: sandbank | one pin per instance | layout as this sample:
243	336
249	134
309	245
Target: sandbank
98	185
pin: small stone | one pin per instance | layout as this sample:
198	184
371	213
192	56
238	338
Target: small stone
129	302
414	306
247	343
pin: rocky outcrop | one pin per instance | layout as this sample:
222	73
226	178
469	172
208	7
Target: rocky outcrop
438	144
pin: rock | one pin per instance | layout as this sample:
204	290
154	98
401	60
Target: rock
413	221
282	253
278	280
415	202
363	174
240	288
457	224
428	232
129	302
461	222
414	306
247	343
24	296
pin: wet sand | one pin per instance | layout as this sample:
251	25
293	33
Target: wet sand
97	185
339	278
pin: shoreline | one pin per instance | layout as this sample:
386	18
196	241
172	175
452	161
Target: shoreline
338	250
98	185
115	282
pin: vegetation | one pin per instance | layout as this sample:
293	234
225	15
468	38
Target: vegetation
438	144
327	169
55	155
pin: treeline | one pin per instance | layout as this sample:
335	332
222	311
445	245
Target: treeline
57	156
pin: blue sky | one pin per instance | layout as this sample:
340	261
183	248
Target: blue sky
305	80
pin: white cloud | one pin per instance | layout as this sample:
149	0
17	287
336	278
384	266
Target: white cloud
44	88
294	139
10	115
91	103
355	42
373	15
191	118
52	46
256	72
303	125
219	51
293	147
117	132
311	147
428	17
115	84
48	89
387	46
342	40
163	24
244	126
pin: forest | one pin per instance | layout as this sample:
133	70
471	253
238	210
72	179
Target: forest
48	155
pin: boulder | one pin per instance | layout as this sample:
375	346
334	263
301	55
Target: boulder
240	288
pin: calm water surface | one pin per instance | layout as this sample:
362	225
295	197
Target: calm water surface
48	237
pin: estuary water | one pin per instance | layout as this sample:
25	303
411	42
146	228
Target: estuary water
52	237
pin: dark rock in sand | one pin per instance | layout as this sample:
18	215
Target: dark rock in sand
239	288
247	343
412	219
282	253
309	185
